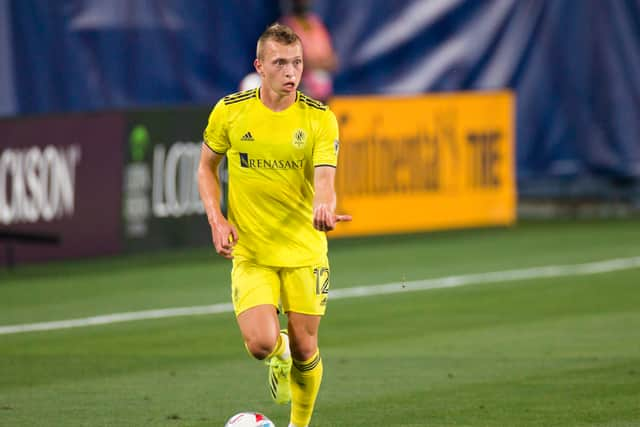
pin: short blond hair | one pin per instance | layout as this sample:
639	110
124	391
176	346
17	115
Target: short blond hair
279	33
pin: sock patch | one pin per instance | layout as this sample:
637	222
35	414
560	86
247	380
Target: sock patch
286	352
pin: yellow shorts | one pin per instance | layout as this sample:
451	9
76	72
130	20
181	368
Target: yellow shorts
298	289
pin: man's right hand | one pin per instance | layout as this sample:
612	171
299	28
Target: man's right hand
224	237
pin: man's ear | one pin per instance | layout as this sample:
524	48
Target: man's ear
258	66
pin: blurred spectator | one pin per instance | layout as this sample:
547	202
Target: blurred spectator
250	81
319	57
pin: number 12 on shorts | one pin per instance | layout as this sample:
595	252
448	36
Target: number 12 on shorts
322	280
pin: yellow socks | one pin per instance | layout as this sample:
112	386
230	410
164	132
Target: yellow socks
306	377
281	350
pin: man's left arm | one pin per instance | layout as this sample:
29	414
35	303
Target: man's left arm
324	201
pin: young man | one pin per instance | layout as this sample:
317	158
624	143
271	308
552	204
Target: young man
282	150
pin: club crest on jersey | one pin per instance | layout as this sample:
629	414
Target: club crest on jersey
299	138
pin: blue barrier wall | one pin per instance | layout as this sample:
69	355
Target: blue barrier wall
573	67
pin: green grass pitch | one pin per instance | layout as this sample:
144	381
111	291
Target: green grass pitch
558	351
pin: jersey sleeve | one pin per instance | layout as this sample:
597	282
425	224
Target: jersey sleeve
325	151
215	134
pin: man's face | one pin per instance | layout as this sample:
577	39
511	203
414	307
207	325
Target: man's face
280	67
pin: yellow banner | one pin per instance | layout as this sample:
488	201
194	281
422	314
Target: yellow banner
425	163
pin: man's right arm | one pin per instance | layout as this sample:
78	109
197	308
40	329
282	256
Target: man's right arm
224	234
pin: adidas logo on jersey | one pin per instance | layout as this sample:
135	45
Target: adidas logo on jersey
247	137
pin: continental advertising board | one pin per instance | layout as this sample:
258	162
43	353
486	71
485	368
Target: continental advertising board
107	183
425	163
61	176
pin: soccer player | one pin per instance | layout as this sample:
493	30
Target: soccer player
282	150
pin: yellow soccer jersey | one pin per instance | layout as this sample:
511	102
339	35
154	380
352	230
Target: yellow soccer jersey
271	158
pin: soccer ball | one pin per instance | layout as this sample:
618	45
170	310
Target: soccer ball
249	419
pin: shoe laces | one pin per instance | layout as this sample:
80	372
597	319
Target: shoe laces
278	366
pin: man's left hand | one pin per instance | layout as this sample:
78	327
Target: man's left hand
324	219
